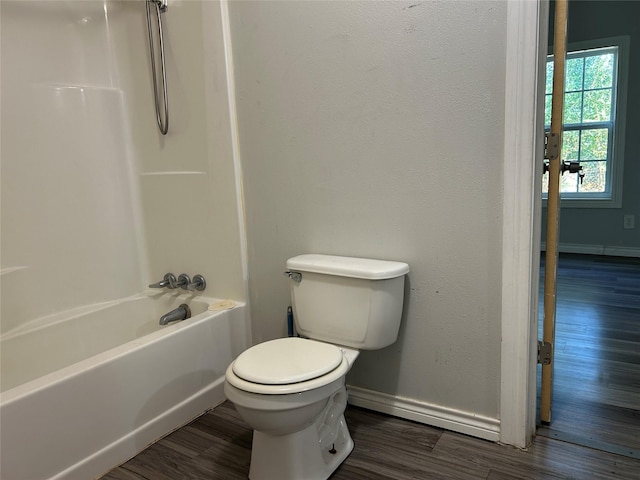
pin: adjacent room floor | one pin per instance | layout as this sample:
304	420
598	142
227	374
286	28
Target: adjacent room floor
596	394
217	446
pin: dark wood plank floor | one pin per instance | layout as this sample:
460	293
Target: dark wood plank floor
217	446
596	399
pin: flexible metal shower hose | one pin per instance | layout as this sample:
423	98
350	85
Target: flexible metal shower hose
162	119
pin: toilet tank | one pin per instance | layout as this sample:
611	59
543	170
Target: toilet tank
355	302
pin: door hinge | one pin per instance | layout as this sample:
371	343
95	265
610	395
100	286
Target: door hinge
545	353
551	145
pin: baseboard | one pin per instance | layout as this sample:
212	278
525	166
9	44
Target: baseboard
611	251
421	412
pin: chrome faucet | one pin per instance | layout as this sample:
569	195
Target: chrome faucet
183	281
181	313
198	283
168	281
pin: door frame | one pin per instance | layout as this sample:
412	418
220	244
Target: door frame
527	38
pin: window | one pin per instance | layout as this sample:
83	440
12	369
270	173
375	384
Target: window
593	114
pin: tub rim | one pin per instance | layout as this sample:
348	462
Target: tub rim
30	387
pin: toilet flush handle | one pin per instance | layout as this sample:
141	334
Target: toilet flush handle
295	276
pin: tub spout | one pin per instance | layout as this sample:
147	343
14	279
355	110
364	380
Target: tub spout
181	313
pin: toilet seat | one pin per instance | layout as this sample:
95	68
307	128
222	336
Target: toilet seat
285	358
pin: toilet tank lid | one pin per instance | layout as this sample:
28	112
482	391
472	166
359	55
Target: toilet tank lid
348	266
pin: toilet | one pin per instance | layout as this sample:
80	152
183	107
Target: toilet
291	391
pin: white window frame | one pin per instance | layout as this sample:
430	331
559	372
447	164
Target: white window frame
619	114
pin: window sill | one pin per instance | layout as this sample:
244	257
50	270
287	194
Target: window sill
586	203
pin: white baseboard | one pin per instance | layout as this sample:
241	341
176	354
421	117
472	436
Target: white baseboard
435	415
612	251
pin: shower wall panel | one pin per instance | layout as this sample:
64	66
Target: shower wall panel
70	232
96	204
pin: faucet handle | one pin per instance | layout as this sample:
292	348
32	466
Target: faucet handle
168	281
198	283
183	281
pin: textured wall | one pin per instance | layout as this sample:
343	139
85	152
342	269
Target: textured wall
375	129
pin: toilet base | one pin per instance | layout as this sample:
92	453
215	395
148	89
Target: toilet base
298	456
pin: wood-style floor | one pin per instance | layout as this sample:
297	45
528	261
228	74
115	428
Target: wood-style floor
596	395
217	446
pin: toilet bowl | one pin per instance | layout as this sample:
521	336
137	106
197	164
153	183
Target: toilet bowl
291	391
294	400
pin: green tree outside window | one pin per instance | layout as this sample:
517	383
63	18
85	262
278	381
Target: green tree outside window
588	118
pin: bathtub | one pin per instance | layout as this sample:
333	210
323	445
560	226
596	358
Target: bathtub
84	391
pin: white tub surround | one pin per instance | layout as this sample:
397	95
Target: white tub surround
85	418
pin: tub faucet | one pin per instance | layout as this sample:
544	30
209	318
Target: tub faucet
181	313
183	281
168	281
198	283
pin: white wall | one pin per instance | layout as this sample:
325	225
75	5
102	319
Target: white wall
375	129
95	203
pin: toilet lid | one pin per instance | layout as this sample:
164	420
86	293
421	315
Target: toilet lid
287	360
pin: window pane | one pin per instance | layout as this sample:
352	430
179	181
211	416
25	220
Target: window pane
569	183
595	177
572	107
573	74
594	144
547	110
598	71
549	82
588	118
597	106
570	143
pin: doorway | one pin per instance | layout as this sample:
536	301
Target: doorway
596	400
